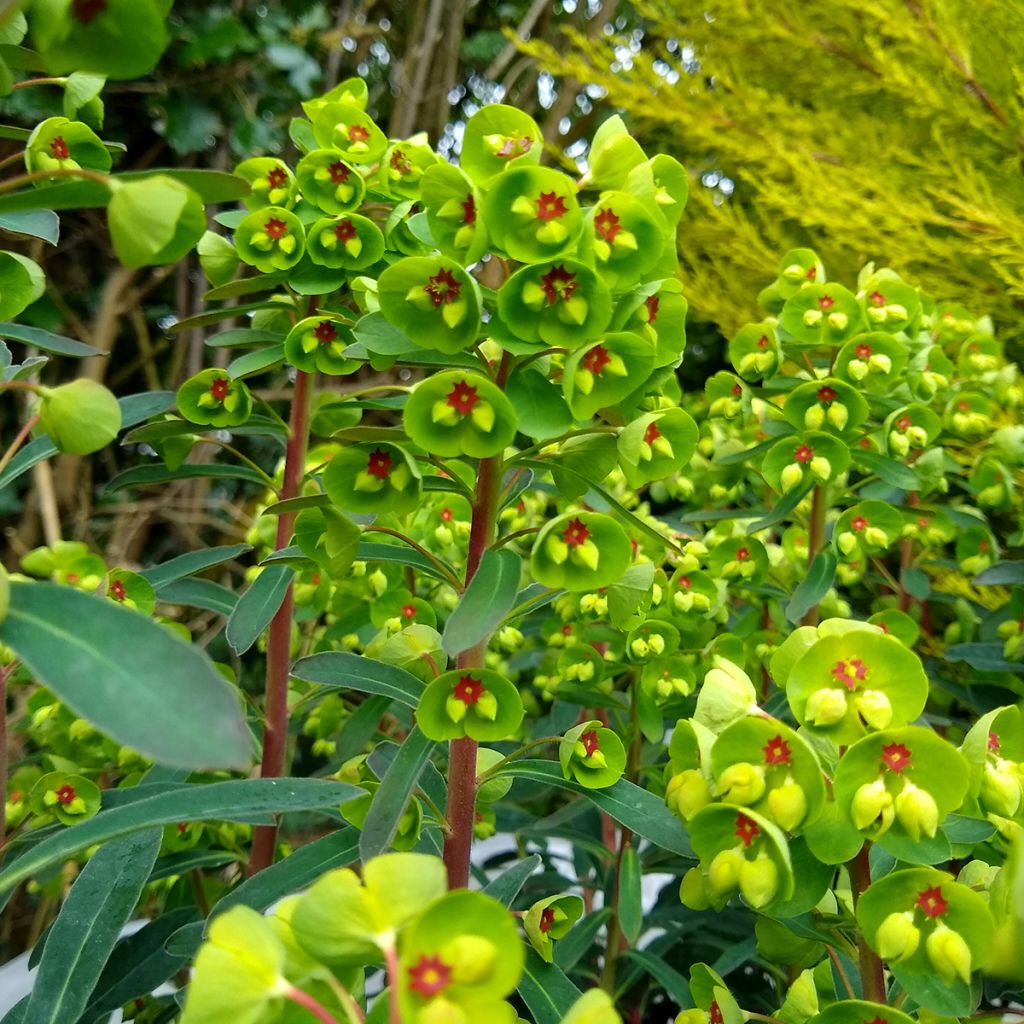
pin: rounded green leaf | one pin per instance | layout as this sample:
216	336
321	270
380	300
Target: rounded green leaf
70	798
21	282
549	919
625	237
605	372
81	416
60	144
821	314
154	221
496	138
271	239
593	755
453	206
351	131
801	460
871	362
271	183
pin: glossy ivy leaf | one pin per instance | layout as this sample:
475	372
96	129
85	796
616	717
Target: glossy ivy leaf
95	38
21	283
478	703
604	373
154	221
271	182
453	206
496	138
369	478
58	143
846	685
580	551
270	239
550	919
532	214
459	413
562	303
318	343
212	397
345	242
593	755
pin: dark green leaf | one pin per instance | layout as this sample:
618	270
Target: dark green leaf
486	601
44	224
358	729
677	987
290	505
631	911
780	510
252	363
191	563
46	341
505	888
237	800
916	583
894	473
580	940
120	671
547	992
257	606
191	860
984	657
247	286
813	587
343	670
142	476
239	337
213	316
87	927
1002	573
370	552
735	458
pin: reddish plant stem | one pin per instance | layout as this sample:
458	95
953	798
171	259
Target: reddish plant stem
815	541
16	444
275	735
4	673
872	974
907	557
306	1001
394	977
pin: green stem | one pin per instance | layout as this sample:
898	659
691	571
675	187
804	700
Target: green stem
432	558
39	81
279	639
517	753
514	536
815	541
872	974
307	1002
841	971
12	449
58	172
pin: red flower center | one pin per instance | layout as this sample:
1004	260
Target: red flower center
468	690
325	332
746	829
558	283
446	515
736	390
826	394
922	521
182	827
963	406
607	224
442	288
596	360
877	299
812	273
547	919
469	210
86	10
685	582
864	351
776	751
379	464
903	423
803	454
399	162
65	794
220	388
59	149
277	178
345	231
408	611
357	133
851	672
463	397
743	555
825	303
511	148
652	433
653	303
993	742
551	206
714	1010
339	172
858	523
762	342
589	741
895	757
576	533
116	590
932	902
276	228
429	976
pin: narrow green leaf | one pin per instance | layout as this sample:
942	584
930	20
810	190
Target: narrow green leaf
260	361
237	800
47	342
87	927
246	286
779	511
343	670
257	606
391	798
289	505
547	992
142	476
359	728
44	224
205	594
191	860
191	563
1001	574
667	977
116	668
505	888
631	911
486	601
735	458
213	316
983	657
814	586
580	940
889	470
400	554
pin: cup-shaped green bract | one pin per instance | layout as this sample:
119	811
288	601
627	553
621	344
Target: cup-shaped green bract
21	282
238	972
403	166
271	182
801	460
910	428
741	850
969	414
550	919
897	786
464	951
345	242
132	590
433	300
605	372
828	404
460	413
871	362
739	559
992	483
867	528
857	1011
657	312
929	372
626	238
212	397
453	207
69	797
373	477
798	269
755	351
845	686
662	183
59	144
592	755
994	748
352	92
889	304
655	445
81	416
319	343
580	551
560	303
154	221
328	181
793	793
327	538
693	594
653	638
271	239
821	314
350	131
532	214
496	138
477	703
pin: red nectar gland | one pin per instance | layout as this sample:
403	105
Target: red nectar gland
462	398
379	464
932	902
468	690
408	611
220	388
469	210
850	673
576	533
551	206
746	829
652	433
326	332
826	395
804	453
345	231
116	590
590	742
442	288
896	757
652	303
812	273
65	794
596	360
547	919
339	172
877	299
858	523
400	163
277	177
86	10
714	1010
864	351
607	224
776	751
558	283
993	743
276	228
357	133
825	303
429	976
59	149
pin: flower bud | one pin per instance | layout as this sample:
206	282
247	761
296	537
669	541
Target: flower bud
1000	791
898	937
879	363
791	477
724	872
821	468
838	321
876	537
759	881
872	802
787	804
814	417
693	890
949	954
377	582
692	1016
812	317
838	415
916	811
917	436
441	1011
826	707
472	958
875	708
687	793
898	443
741	783
81	417
857	369
847	541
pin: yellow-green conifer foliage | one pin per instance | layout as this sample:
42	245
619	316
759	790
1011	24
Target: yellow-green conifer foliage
858	127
